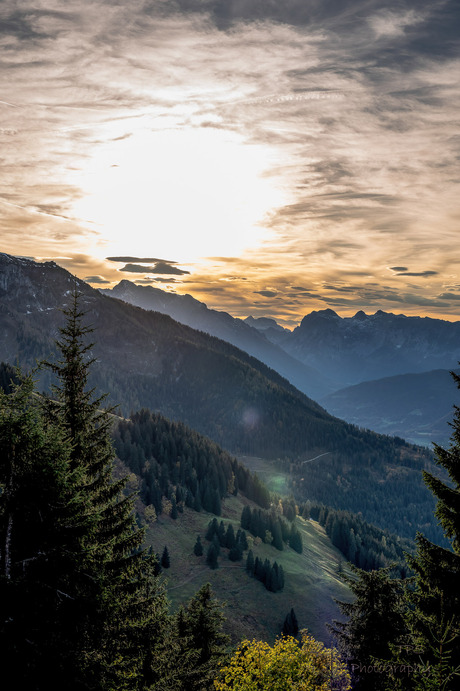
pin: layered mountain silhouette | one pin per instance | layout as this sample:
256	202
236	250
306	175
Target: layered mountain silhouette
146	359
186	310
416	407
365	347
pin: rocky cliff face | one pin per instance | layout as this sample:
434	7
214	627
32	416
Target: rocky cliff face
364	347
24	288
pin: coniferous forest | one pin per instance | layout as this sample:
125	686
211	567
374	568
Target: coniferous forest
83	597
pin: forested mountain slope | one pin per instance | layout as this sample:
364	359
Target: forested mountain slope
416	407
146	359
186	310
178	473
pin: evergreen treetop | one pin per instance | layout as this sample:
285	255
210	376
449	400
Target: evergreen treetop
375	621
165	559
201	639
82	598
436	598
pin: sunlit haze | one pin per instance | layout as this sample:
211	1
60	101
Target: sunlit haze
267	160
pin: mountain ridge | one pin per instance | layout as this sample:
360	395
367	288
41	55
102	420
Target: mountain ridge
367	347
416	406
145	359
187	310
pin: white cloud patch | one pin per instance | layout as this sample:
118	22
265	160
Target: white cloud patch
393	25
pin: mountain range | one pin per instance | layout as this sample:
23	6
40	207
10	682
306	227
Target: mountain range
187	310
146	359
366	347
380	371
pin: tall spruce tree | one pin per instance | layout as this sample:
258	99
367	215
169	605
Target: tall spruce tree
79	587
375	622
120	600
199	626
435	622
42	521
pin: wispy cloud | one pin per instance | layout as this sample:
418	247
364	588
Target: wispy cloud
319	140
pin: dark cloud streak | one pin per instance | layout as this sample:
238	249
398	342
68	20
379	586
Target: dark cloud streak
159	268
139	260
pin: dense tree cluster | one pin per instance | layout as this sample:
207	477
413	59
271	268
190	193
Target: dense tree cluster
411	628
271	575
180	465
81	605
361	543
224	537
272	527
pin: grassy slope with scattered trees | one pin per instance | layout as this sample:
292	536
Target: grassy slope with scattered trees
312	579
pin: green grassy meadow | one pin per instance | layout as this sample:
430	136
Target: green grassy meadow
311	578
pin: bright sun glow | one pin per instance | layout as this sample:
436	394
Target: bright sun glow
179	194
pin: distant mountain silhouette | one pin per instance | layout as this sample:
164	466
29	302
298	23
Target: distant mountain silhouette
187	310
416	407
146	359
365	347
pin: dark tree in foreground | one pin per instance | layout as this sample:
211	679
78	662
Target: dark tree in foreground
82	604
435	622
42	519
375	621
290	625
201	640
412	625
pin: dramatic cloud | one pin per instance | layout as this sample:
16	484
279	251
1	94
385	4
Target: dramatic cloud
164	268
137	269
289	151
140	260
159	268
267	293
449	296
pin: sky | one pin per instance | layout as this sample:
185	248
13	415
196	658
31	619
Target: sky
269	158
